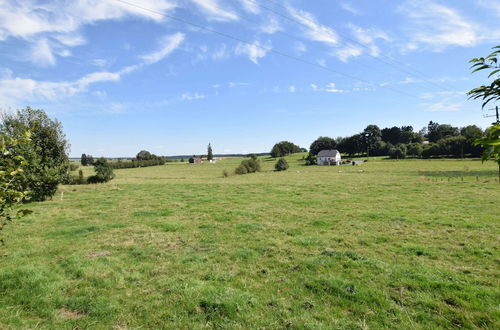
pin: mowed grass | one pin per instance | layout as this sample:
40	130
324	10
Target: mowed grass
388	244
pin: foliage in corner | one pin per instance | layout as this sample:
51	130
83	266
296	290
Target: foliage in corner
491	139
488	93
46	151
491	144
12	167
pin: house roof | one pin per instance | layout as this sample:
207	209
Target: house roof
328	153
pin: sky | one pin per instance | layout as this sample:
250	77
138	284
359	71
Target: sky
171	76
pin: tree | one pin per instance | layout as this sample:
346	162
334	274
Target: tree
284	148
84	160
144	155
311	159
491	92
491	144
391	135
322	143
471	133
46	152
12	168
398	152
90	160
370	136
210	155
281	165
103	171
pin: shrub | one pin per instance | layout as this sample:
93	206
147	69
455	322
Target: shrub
251	165
45	152
73	167
11	175
281	165
81	179
310	159
398	152
225	173
103	171
191	160
415	149
241	169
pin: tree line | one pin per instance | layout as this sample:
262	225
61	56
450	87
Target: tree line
434	140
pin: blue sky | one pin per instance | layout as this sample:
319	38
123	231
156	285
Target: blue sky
123	76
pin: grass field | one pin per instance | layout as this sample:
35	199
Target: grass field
389	244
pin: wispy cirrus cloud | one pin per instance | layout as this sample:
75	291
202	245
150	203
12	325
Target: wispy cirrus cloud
435	26
254	51
329	88
250	6
271	26
444	101
192	96
313	29
13	90
215	11
52	26
167	45
350	8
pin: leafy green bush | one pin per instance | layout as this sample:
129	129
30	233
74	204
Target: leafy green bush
281	165
103	170
45	152
311	159
241	169
73	166
12	168
252	165
398	152
225	173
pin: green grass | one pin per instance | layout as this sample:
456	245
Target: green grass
388	244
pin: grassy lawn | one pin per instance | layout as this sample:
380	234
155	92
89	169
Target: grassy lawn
388	244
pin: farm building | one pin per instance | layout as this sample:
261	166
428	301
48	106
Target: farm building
329	157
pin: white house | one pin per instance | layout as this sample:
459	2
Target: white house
328	157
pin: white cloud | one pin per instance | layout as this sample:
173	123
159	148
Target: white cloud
41	53
314	30
300	48
55	24
14	90
192	96
367	36
329	88
99	62
215	11
254	51
350	8
272	26
250	6
345	53
232	84
437	27
167	45
221	53
292	89
444	101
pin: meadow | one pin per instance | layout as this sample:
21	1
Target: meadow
409	244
